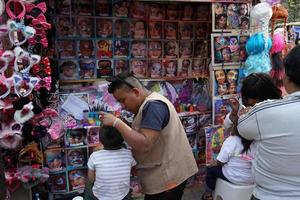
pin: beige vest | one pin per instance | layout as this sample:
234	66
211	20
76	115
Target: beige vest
170	161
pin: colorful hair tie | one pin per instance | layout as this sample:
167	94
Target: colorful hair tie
18	5
13	27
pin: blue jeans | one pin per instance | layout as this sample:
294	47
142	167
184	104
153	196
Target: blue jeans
212	174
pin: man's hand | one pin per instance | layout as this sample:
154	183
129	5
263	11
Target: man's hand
235	105
107	119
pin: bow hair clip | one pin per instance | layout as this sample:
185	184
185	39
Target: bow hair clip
5	57
39	38
44	82
14	27
24	60
35	11
40	23
24	85
5	86
43	68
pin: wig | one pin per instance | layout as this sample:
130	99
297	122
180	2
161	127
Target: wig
277	71
260	16
258	50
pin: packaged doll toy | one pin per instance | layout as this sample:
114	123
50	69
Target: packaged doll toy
122	28
86	49
104	68
121	66
138	49
155	49
232	16
103	8
139	67
76	157
77	179
185	30
138	10
200	49
104	28
232	88
64	7
202	12
58	182
187	12
75	137
104	49
170	30
154	30
170	68
171	12
65	26
121	48
85	26
232	75
93	135
156	69
139	30
68	70
226	55
156	12
185	49
87	69
121	8
184	67
55	160
198	67
84	7
201	30
170	49
220	76
67	48
221	21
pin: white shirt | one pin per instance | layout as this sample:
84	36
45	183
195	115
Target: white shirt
275	125
112	168
237	167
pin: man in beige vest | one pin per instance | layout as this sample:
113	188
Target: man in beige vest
157	138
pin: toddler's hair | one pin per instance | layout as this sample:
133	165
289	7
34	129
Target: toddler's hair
110	138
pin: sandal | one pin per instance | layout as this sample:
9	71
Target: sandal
207	196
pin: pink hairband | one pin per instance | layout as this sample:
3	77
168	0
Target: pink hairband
15	3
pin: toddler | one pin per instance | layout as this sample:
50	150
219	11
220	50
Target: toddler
109	169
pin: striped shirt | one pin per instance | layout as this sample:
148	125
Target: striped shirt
112	169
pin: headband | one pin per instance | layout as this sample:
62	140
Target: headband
3	30
24	114
35	11
2	3
5	85
5	57
22	54
13	27
24	85
15	3
10	135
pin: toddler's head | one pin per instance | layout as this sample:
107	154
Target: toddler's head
110	138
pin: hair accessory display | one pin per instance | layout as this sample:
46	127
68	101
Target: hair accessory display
31	153
56	129
24	114
40	22
2	7
42	69
3	30
19	6
44	82
5	57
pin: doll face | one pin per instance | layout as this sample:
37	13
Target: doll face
93	137
222	89
219	9
86	47
55	162
232	88
138	67
170	31
120	65
155	49
243	9
139	30
121	9
185	66
69	71
171	12
186	31
232	76
154	29
220	76
197	65
155	69
226	54
171	68
138	49
85	27
222	21
76	139
187	12
104	28
171	48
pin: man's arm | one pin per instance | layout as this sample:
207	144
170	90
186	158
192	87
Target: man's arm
248	126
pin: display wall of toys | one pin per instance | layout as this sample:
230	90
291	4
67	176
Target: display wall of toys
96	39
231	28
28	97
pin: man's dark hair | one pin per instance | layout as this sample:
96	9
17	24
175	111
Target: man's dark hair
124	81
110	138
259	86
292	65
